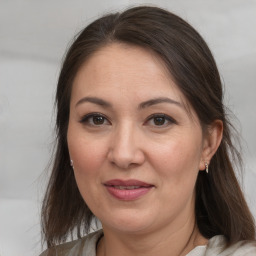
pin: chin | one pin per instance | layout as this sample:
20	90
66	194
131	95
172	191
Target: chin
129	223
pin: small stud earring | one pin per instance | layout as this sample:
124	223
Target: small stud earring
206	167
71	163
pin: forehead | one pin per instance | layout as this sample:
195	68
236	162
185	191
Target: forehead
124	66
123	74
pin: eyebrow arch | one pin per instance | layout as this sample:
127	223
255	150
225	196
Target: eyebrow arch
155	101
142	105
94	100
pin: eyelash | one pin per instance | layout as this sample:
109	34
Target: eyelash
86	119
167	118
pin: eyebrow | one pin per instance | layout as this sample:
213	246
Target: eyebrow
94	100
155	101
142	105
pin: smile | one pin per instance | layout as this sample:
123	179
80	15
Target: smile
127	190
126	187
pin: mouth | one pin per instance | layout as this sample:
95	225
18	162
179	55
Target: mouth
126	187
127	190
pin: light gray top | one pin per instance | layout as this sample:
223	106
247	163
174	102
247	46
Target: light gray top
86	246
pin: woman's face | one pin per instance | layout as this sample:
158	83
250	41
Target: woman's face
136	150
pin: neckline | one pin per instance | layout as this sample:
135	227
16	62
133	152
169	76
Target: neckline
198	249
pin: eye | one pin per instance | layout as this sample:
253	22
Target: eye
95	119
160	120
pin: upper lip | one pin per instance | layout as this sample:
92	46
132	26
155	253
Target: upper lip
126	183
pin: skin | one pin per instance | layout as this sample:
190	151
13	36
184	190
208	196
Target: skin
128	143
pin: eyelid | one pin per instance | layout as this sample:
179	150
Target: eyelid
171	120
167	117
90	115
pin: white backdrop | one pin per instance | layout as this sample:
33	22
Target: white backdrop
33	38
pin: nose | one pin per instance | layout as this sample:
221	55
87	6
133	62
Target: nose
125	148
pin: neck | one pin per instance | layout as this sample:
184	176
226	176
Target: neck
163	242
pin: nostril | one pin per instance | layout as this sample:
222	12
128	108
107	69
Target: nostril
125	152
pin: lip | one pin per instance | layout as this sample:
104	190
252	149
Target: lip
127	190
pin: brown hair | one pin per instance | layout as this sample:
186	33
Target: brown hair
220	205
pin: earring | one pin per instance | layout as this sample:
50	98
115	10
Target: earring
206	167
71	163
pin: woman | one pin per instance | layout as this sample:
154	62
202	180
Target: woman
144	144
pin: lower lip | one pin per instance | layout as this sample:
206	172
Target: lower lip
128	194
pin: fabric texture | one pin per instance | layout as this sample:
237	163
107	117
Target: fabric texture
216	246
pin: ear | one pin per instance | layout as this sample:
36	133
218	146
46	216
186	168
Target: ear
211	142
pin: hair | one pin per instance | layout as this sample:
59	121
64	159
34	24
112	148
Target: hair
220	207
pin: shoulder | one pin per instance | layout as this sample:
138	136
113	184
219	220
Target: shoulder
84	246
217	246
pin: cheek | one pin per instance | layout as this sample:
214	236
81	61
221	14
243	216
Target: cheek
87	154
88	157
177	161
177	165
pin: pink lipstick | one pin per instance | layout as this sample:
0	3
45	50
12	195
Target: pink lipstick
127	189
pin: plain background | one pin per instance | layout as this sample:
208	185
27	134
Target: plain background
34	36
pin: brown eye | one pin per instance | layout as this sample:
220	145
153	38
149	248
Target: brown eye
159	120
98	120
95	119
